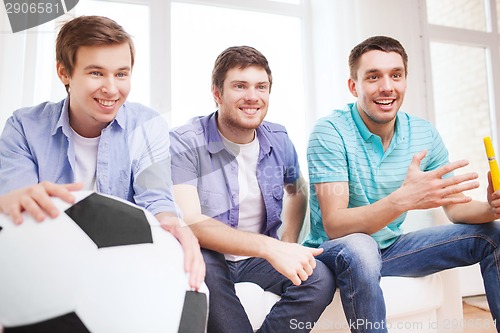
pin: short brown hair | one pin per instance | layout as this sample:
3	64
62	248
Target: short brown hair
241	57
380	43
89	31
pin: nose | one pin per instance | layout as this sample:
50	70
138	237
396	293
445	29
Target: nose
386	84
251	95
109	86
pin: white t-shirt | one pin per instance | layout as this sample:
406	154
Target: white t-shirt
86	160
252	208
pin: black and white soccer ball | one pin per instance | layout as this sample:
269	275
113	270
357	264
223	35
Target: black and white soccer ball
103	265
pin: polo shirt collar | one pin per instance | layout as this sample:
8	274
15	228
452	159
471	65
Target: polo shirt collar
360	124
399	130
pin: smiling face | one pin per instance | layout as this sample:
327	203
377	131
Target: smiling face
380	88
99	85
242	103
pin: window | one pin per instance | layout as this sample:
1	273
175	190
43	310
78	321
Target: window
464	44
201	32
138	28
177	42
466	14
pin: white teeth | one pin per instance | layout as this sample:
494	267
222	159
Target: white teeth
250	110
386	102
105	102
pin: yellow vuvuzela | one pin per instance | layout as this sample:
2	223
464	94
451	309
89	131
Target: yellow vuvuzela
495	172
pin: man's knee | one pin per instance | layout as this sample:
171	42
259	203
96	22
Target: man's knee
354	252
321	284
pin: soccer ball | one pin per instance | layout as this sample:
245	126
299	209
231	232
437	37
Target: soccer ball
103	265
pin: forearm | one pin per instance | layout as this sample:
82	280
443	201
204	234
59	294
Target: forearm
366	219
216	236
294	212
474	212
170	219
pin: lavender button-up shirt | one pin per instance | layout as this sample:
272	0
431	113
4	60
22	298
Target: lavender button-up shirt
199	158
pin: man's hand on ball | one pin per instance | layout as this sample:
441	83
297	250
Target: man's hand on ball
35	200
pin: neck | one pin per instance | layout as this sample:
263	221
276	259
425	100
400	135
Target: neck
385	130
237	135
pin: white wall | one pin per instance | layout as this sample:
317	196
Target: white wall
339	25
335	26
21	61
11	69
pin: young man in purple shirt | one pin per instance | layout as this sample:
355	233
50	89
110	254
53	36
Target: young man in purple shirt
235	178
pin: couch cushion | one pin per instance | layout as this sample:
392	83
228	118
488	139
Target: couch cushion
256	301
404	297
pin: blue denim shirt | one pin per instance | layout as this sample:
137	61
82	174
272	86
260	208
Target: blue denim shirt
133	160
199	158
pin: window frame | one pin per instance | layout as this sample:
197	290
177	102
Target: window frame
489	40
160	20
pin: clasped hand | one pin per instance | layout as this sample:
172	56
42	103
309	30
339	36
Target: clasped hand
293	260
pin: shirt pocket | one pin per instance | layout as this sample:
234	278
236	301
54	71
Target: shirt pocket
277	192
212	203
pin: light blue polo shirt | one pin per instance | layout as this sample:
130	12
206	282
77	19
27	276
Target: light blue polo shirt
342	149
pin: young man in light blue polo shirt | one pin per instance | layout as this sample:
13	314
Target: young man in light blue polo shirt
371	163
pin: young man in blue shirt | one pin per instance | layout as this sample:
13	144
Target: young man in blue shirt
235	176
371	163
93	137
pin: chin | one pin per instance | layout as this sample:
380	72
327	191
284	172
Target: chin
252	124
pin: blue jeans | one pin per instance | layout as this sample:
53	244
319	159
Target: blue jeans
358	265
299	307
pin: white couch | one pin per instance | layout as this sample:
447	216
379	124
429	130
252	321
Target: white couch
428	304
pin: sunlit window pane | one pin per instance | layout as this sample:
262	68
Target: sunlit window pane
294	2
462	108
135	20
498	13
466	14
201	33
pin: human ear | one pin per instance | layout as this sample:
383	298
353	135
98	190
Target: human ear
217	94
351	84
62	73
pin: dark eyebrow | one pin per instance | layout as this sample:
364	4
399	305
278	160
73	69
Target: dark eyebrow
89	67
246	82
371	71
375	70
